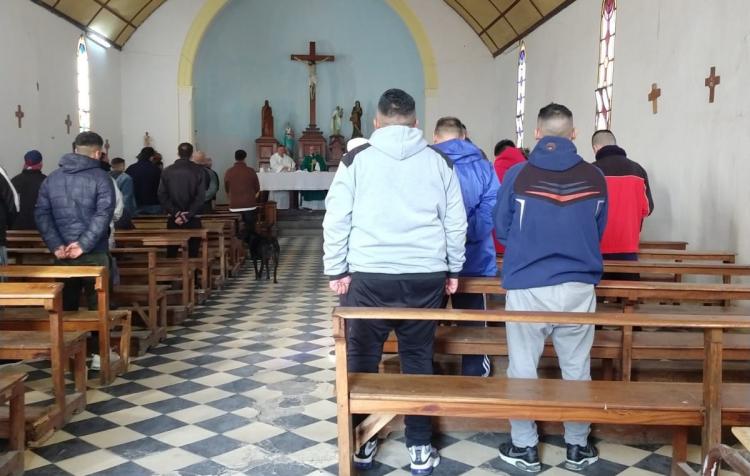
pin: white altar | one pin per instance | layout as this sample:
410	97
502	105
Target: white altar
297	181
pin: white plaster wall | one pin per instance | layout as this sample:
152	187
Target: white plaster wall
466	70
694	152
150	60
469	84
39	47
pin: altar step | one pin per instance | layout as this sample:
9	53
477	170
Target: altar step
300	222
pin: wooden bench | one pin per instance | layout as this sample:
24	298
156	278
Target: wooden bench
56	346
663	245
679	255
106	323
632	293
676	405
12	394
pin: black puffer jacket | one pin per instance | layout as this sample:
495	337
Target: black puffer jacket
76	203
182	188
27	185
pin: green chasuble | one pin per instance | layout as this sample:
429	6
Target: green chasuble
314	163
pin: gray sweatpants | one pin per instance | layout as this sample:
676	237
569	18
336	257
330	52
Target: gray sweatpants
572	345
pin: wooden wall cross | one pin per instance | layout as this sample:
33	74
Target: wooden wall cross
711	82
68	123
19	116
654	96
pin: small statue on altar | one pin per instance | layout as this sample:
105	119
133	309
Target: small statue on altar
288	140
356	119
336	117
266	120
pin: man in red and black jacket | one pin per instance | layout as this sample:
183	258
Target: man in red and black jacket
629	197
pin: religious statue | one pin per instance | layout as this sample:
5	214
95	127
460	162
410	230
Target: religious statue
147	140
266	120
356	119
288	140
336	117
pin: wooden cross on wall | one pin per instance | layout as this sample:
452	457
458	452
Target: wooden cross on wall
654	96
312	59
68	123
19	116
711	82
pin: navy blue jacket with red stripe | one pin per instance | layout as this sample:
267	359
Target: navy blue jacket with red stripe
551	213
629	200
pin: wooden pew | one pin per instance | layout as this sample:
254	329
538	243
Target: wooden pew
12	394
55	345
663	245
677	405
632	293
103	321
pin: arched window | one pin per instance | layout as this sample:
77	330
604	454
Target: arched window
521	95
84	100
606	64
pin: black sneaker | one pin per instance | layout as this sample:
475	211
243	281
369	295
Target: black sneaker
581	457
525	459
363	459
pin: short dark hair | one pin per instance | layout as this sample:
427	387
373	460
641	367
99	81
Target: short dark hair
502	145
89	139
118	161
146	153
185	150
555	120
240	154
448	125
603	137
397	105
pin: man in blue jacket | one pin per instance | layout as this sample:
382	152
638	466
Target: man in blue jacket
73	212
479	186
551	213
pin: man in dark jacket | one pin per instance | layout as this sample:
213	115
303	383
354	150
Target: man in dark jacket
27	185
551	213
243	187
182	192
9	206
479	188
75	207
146	176
629	199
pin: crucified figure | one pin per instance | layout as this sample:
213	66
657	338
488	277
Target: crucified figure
312	75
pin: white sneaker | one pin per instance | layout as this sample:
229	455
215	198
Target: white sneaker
96	361
423	459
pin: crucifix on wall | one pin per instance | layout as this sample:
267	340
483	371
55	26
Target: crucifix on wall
106	147
312	59
68	123
711	82
19	116
654	96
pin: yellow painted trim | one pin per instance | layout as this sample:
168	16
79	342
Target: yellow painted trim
212	7
418	33
193	40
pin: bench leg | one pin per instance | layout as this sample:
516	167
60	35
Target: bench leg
79	368
679	447
627	353
343	415
17	423
105	370
127	327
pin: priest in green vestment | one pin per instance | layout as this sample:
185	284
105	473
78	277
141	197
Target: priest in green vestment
314	199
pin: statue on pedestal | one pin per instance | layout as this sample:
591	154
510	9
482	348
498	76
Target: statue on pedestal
288	140
336	117
266	120
356	119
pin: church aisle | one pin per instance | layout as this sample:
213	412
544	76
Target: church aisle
246	388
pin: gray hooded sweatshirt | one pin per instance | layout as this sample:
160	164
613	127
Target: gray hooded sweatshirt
394	208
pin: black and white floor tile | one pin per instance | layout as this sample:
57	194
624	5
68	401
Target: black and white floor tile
245	387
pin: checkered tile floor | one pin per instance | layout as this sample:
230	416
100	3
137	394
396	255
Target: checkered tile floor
246	388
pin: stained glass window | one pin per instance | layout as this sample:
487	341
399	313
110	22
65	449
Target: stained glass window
84	98
606	64
521	95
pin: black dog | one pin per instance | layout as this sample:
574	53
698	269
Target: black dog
265	249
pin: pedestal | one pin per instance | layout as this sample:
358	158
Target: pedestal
312	142
265	147
336	149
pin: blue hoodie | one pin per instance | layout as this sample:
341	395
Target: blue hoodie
551	213
479	187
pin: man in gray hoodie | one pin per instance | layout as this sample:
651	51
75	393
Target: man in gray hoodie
395	231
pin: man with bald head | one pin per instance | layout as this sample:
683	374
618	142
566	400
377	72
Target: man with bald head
551	214
629	200
210	178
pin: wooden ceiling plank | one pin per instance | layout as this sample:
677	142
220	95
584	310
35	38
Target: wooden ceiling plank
537	8
468	13
502	15
110	10
544	19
